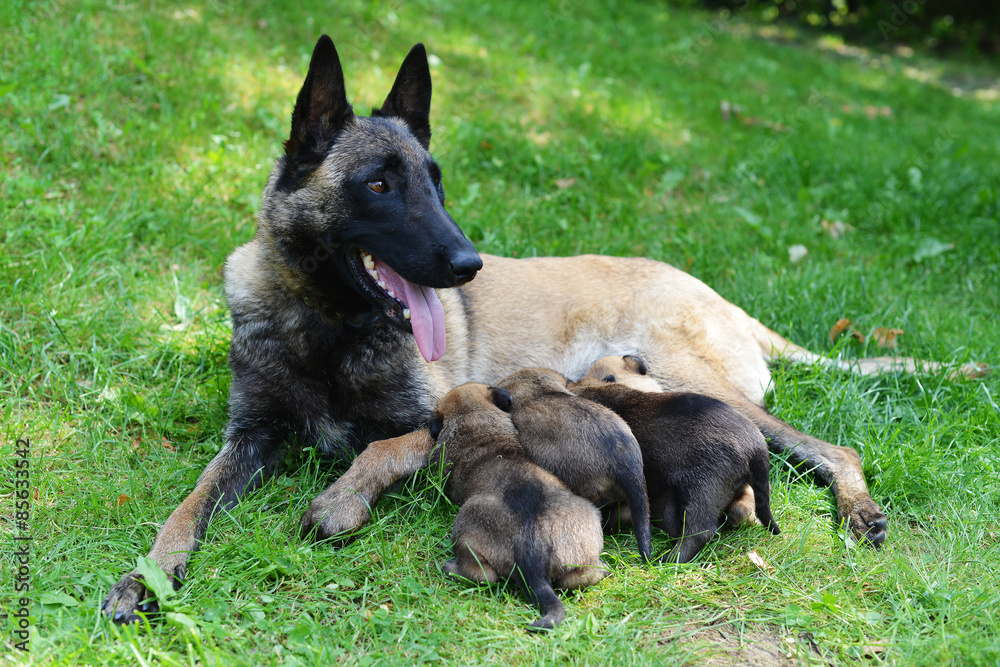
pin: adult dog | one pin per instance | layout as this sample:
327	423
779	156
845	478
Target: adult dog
339	335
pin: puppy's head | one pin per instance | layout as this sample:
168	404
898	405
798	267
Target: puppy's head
629	370
530	383
465	399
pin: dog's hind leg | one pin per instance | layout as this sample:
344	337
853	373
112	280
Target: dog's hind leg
240	467
346	505
837	467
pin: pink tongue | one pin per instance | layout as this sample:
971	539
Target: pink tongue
426	311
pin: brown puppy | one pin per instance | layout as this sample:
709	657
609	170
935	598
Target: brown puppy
584	444
699	453
515	516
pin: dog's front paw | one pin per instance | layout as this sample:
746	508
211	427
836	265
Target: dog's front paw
126	598
334	515
867	521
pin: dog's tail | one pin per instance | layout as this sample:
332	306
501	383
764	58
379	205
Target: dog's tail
630	479
776	346
761	485
532	558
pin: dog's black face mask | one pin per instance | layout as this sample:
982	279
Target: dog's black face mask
382	230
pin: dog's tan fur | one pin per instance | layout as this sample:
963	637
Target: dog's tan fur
516	520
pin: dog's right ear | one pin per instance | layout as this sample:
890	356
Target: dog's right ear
410	97
436	424
501	398
321	109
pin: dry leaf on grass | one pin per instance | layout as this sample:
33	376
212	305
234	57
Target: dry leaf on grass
842	325
835	229
122	499
886	338
760	562
563	183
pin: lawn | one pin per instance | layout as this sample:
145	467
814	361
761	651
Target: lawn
807	180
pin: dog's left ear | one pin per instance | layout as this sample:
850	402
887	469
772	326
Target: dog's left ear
501	398
410	97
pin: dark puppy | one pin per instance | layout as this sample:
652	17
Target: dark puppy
699	453
515	516
584	444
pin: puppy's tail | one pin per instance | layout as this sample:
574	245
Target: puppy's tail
761	486
632	482
532	559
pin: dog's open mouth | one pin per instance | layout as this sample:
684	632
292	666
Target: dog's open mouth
413	308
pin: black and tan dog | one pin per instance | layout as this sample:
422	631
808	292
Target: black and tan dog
343	333
589	447
516	520
698	453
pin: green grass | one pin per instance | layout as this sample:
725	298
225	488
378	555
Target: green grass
135	140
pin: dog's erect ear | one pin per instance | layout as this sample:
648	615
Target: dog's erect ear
410	97
501	399
321	109
436	424
637	363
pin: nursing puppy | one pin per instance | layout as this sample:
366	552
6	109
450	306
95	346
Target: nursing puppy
584	444
699	453
515	516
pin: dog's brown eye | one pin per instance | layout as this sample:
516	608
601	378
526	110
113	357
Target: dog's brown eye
378	186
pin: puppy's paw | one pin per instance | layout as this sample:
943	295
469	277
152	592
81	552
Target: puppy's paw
333	516
867	521
126	598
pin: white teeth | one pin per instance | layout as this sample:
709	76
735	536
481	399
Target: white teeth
380	283
406	313
392	295
368	261
374	274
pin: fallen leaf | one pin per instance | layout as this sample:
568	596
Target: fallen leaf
839	328
931	247
797	253
886	337
563	183
122	499
771	125
167	445
760	562
872	650
486	145
835	229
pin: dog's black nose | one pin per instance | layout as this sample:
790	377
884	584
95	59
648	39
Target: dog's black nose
465	266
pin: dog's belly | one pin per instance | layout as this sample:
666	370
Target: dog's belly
566	312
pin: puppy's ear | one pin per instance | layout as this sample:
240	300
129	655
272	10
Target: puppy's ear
435	425
609	378
640	365
501	398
